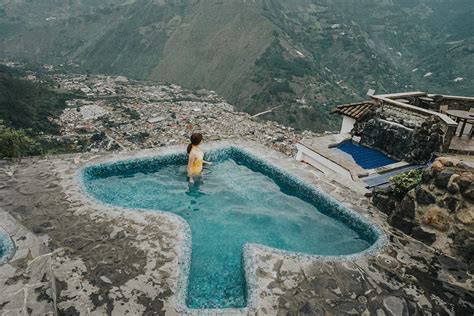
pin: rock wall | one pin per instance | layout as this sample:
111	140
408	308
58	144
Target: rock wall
439	211
400	141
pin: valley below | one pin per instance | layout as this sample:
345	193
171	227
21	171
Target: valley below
301	57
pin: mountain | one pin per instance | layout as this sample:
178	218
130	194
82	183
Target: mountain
28	105
301	56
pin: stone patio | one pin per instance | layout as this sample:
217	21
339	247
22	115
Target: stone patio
88	258
27	282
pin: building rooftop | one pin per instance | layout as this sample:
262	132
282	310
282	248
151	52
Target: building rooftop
355	110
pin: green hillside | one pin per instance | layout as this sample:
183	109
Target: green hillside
302	55
27	105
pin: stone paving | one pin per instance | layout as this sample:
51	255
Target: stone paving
26	281
106	260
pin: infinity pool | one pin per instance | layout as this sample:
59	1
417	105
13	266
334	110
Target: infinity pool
241	199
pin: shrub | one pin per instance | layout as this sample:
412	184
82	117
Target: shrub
28	105
404	182
15	143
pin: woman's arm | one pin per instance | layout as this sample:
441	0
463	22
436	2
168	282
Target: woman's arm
207	162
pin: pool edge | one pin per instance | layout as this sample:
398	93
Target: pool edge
250	249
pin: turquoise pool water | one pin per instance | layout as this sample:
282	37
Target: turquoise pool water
241	200
6	246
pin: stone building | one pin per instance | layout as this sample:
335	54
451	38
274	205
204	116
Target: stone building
411	126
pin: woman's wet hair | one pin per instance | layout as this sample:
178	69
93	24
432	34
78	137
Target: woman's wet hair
196	139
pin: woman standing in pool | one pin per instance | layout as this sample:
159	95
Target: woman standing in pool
196	157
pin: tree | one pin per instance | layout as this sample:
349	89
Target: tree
14	143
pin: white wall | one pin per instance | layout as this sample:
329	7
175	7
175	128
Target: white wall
319	162
347	124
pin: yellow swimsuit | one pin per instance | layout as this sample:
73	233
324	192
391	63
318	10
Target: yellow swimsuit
196	167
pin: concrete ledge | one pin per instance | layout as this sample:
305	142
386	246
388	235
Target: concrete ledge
320	153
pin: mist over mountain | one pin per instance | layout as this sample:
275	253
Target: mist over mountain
302	55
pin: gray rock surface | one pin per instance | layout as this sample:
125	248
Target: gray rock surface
27	284
424	197
110	261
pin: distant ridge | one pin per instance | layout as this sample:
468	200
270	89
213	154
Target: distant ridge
303	54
